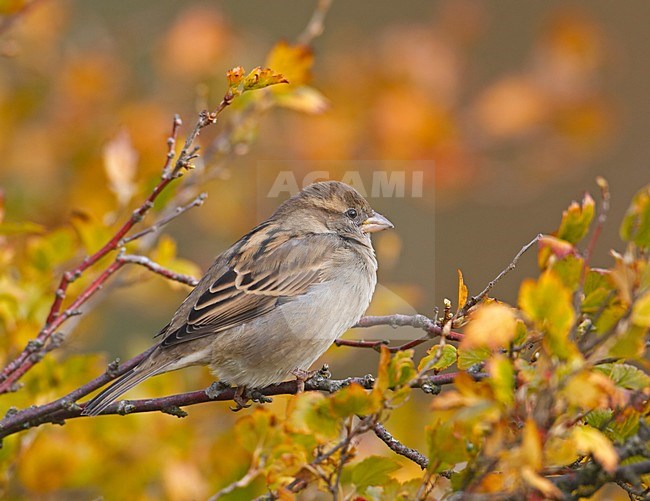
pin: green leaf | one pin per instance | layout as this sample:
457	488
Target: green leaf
549	304
311	413
596	291
569	270
372	471
630	344
625	375
616	429
467	358
576	220
353	400
445	359
447	445
636	223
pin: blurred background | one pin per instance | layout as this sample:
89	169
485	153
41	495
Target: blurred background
510	110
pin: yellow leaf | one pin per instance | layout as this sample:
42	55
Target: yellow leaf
589	390
541	484
293	61
531	445
589	440
502	379
492	325
559	451
462	290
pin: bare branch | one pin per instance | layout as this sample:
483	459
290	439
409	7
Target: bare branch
474	300
316	24
197	202
156	268
399	448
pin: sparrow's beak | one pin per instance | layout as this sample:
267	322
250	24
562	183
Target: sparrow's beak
376	223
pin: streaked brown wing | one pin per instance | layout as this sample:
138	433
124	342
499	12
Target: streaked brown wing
254	282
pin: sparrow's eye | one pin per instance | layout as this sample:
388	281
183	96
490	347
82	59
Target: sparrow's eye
351	213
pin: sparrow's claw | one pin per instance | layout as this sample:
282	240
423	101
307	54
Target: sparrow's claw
241	399
257	396
302	376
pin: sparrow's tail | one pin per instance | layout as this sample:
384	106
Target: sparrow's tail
125	382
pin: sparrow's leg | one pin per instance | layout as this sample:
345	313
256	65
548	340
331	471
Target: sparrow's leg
302	376
241	399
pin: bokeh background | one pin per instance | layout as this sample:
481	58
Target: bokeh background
511	109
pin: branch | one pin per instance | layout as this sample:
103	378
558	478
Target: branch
37	348
197	202
399	448
397	320
156	268
474	300
67	408
316	24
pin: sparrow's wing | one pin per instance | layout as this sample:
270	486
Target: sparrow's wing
257	276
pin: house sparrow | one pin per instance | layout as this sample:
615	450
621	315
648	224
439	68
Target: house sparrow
275	301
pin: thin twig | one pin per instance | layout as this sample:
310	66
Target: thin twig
156	268
197	202
398	320
316	24
474	300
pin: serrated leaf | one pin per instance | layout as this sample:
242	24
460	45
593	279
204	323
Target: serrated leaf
445	359
469	357
625	375
576	220
636	223
258	78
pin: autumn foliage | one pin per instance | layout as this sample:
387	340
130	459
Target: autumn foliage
544	398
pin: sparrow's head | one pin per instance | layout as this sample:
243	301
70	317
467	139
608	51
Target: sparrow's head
331	206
